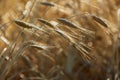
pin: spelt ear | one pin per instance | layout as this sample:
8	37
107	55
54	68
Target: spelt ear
26	25
73	25
99	20
45	22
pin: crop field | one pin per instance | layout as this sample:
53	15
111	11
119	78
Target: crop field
59	39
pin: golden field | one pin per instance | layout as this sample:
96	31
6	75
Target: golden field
59	40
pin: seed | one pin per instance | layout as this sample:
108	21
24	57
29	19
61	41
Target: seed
45	22
67	22
26	25
99	20
48	4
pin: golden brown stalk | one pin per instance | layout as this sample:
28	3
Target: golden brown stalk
30	10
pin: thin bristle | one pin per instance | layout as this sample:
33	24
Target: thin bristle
80	47
84	53
65	35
